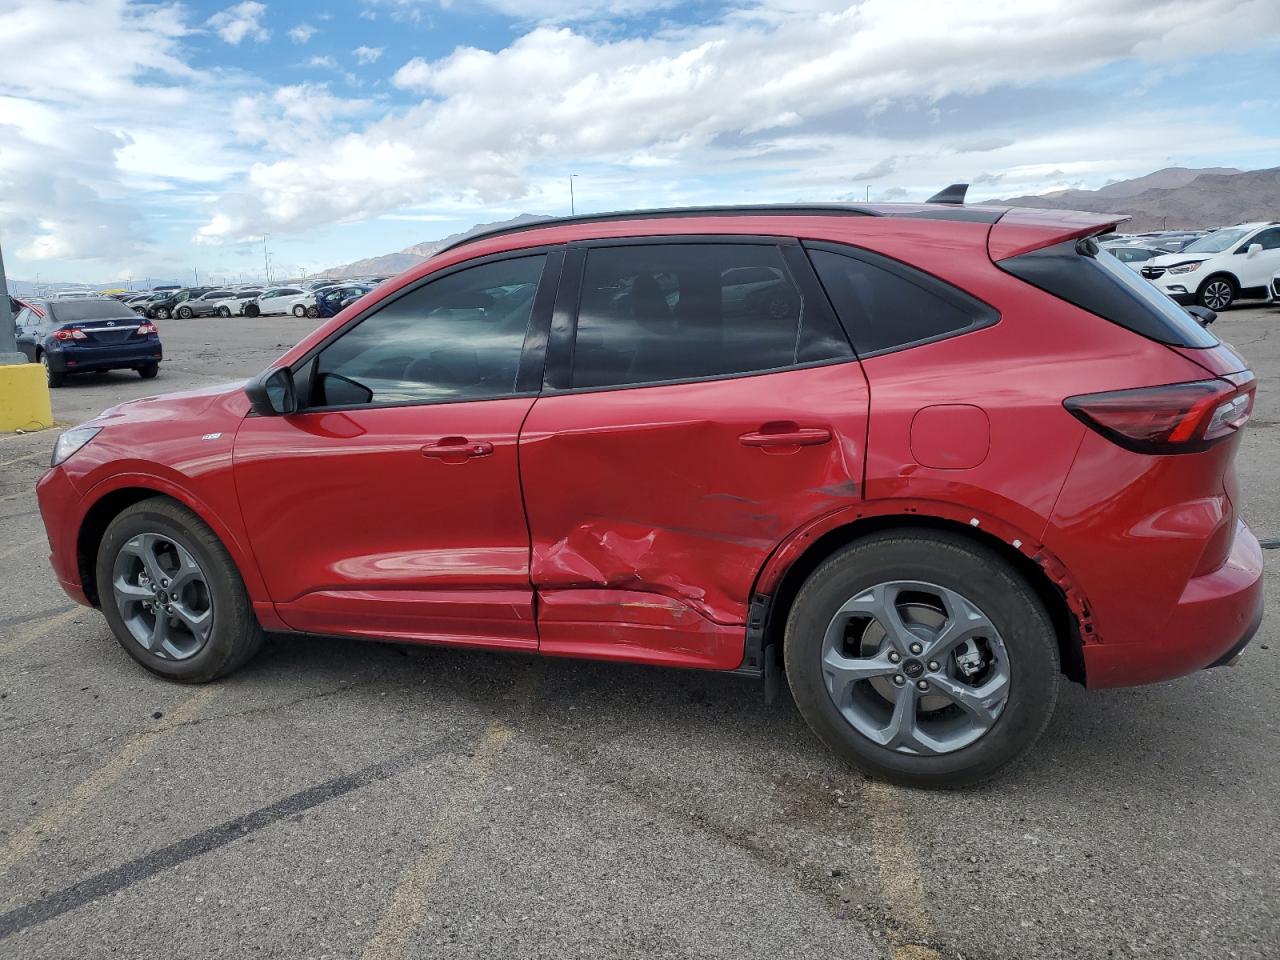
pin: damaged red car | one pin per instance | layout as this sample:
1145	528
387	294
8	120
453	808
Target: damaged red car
921	462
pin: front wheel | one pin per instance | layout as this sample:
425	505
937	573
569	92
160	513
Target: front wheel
224	312
184	313
172	595
299	310
160	313
922	658
1217	293
252	310
313	312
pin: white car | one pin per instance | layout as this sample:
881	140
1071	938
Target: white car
272	301
1234	263
233	305
1275	288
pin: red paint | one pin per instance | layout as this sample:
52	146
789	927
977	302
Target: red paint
636	524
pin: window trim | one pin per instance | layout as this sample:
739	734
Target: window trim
984	314
532	351
558	379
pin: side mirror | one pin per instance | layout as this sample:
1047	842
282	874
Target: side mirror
1254	250
272	394
1204	316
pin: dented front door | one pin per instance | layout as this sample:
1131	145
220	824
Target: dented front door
652	509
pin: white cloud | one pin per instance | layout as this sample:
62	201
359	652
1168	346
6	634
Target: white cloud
244	20
327	63
414	75
367	55
302	33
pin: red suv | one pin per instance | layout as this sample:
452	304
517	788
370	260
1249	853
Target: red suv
924	459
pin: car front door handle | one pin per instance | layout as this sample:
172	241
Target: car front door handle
457	449
790	436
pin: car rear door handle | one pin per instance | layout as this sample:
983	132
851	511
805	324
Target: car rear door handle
457	449
791	436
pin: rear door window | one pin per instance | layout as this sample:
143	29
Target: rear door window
661	312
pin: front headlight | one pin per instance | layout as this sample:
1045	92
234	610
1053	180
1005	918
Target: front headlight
1185	268
71	441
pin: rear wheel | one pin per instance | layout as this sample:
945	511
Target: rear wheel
299	310
1217	293
172	594
148	371
313	311
161	313
224	312
922	658
51	377
252	310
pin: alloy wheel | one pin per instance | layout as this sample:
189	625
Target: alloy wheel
163	596
1217	295
916	667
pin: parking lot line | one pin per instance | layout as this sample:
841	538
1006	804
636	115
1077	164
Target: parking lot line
407	907
25	840
36	631
901	885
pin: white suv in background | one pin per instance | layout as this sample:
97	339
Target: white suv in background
1234	263
275	300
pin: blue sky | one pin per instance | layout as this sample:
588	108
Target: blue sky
151	139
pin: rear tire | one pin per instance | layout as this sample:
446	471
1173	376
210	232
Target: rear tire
51	377
976	590
299	310
148	371
224	312
161	528
1217	293
252	310
313	312
160	313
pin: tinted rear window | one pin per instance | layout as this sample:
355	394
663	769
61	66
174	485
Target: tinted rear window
70	311
1078	272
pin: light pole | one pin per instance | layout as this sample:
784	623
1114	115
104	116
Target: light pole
266	261
8	336
572	208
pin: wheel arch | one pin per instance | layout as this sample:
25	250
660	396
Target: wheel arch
1221	274
792	563
109	501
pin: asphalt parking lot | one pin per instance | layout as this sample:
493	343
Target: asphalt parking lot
345	799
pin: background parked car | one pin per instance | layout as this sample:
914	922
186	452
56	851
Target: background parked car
234	303
205	305
84	336
331	301
273	301
1234	263
163	308
1132	254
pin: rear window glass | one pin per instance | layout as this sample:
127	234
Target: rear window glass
1074	271
886	305
69	311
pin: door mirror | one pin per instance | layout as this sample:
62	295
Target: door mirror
1204	316
1254	250
272	394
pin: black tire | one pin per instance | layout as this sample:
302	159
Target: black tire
184	313
235	635
252	310
313	312
224	312
51	377
148	371
299	310
160	313
981	576
1217	293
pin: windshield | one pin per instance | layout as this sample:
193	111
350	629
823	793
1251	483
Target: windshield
1215	242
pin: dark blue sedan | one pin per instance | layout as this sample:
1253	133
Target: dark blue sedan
86	336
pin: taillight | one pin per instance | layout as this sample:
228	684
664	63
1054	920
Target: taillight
146	328
1174	418
74	333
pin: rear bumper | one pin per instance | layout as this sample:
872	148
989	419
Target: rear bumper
112	357
1214	619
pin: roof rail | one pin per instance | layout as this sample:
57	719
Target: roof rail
662	213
